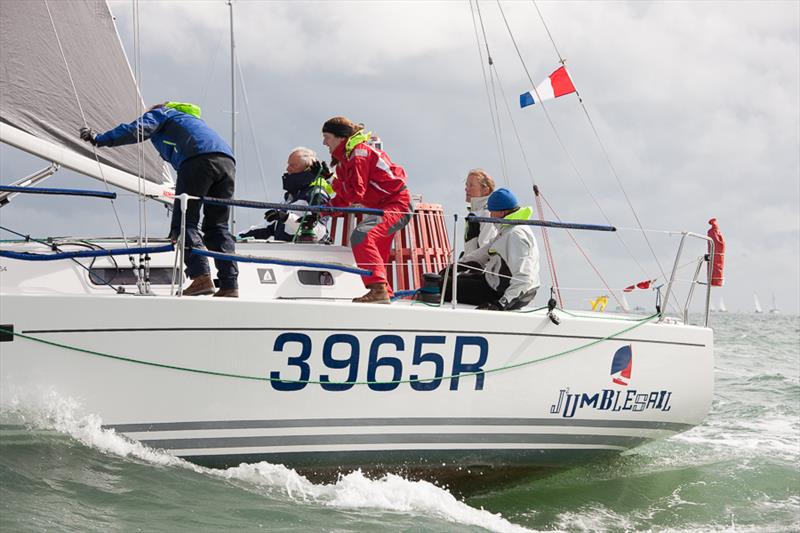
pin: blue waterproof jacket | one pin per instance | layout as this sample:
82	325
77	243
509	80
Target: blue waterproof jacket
176	135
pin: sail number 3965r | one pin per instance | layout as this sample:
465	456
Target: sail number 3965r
342	351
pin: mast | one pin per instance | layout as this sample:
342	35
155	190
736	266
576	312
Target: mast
233	104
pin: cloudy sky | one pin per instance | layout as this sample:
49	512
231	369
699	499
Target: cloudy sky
696	103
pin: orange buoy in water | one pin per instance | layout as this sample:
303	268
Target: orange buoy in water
717	263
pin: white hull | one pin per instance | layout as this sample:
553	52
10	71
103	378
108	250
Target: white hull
521	415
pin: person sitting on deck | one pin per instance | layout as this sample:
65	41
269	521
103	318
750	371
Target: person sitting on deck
205	167
305	182
502	275
478	187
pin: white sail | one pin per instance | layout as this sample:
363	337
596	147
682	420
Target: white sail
52	83
774	309
757	303
722	308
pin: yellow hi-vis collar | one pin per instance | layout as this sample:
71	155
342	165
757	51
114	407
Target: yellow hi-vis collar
189	109
355	139
523	213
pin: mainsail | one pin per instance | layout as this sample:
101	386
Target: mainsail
61	62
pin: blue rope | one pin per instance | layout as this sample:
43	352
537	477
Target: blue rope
545	223
28	256
64	192
288	207
404	294
283	262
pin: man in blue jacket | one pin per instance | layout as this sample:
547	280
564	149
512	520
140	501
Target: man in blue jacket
206	167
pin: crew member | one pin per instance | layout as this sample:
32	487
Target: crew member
305	182
365	175
206	167
478	187
504	274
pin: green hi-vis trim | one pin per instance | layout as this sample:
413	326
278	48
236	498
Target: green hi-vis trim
183	107
356	139
323	184
523	213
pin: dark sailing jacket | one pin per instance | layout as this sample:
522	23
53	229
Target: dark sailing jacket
176	135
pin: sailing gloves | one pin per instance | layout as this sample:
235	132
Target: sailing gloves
88	135
320	168
273	215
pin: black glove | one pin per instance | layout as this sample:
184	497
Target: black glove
491	306
273	215
88	135
320	168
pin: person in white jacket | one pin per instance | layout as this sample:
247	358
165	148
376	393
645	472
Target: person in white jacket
477	188
503	274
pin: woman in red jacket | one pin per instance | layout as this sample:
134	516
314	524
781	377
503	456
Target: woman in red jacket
366	176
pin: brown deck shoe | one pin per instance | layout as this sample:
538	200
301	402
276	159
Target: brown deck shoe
378	294
200	286
227	293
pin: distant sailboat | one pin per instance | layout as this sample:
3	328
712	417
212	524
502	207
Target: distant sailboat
712	308
774	310
757	304
722	308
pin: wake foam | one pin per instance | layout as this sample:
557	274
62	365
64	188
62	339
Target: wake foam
353	491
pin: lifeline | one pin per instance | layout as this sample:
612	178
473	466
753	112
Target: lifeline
610	400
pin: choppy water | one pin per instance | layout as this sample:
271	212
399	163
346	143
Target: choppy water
736	472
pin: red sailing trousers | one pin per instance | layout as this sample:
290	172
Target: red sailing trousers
371	239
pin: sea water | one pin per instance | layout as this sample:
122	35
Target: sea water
738	471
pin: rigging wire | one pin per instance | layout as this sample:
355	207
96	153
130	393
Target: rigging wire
603	149
492	110
207	84
56	246
252	130
545	236
585	255
569	157
492	75
83	117
143	270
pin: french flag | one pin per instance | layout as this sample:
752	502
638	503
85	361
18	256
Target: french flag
557	84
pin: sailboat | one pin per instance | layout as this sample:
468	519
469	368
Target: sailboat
722	308
774	309
294	372
756	303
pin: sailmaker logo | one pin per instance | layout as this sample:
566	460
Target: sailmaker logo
621	366
569	403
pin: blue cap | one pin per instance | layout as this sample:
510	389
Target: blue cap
502	200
